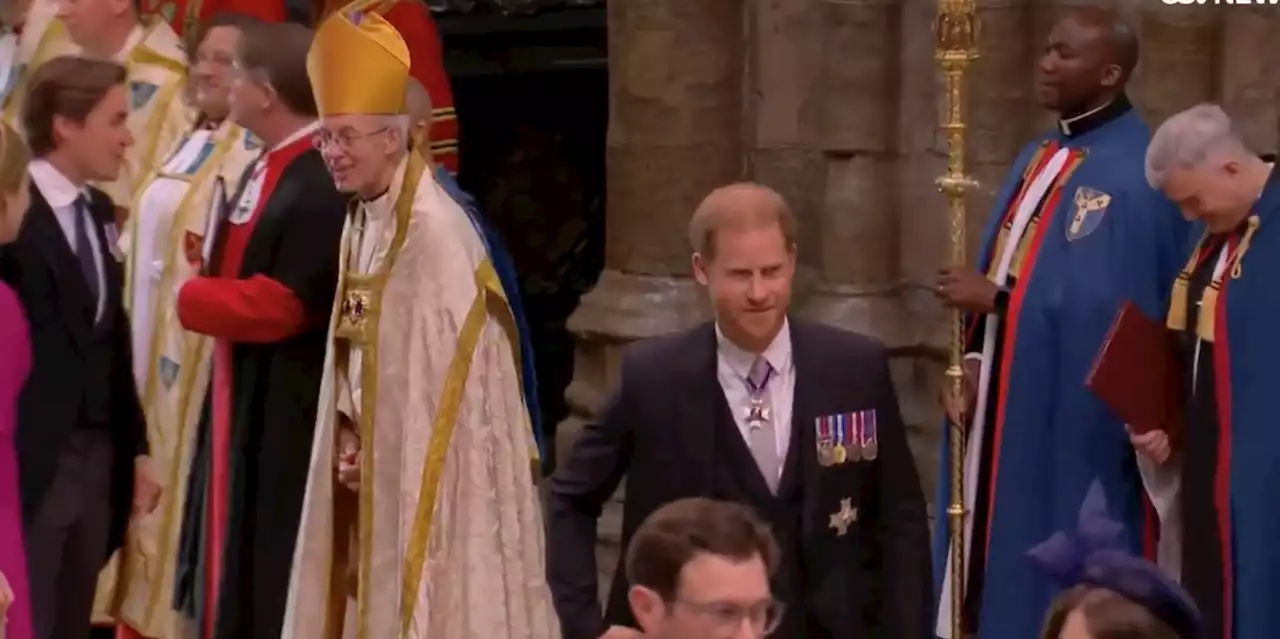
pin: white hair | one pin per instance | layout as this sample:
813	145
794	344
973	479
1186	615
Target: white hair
417	100
401	123
1188	139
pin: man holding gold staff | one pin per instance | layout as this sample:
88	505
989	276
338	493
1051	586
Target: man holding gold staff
1075	234
156	61
433	528
163	249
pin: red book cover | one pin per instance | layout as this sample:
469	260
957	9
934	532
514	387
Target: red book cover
1137	372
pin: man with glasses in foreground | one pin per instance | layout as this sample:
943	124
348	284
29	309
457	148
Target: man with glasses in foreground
699	569
265	290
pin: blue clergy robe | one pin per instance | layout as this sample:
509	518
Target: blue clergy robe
1231	457
1099	236
506	270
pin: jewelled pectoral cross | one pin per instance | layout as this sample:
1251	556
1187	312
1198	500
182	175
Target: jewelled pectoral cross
841	519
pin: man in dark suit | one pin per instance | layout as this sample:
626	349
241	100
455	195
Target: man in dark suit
264	296
798	420
81	434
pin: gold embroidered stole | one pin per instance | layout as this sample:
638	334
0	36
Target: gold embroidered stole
1206	321
490	303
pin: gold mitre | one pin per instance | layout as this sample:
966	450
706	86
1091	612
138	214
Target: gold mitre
358	63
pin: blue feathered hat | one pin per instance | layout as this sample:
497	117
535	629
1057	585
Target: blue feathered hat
1095	556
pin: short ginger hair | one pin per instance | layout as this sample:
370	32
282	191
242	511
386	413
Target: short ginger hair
739	206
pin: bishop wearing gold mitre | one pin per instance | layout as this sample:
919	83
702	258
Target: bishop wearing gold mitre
431	527
151	52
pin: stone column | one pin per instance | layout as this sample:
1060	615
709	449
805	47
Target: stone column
675	73
1177	59
858	105
1249	79
783	121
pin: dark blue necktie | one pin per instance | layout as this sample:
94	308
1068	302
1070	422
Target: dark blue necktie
84	251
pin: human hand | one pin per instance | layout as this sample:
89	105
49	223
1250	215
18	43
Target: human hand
347	459
960	408
621	632
1154	444
966	289
6	597
146	491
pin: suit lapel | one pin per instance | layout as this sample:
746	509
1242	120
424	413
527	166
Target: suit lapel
72	292
699	435
802	458
112	278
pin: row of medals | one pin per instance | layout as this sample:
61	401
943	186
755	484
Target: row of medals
829	453
832	454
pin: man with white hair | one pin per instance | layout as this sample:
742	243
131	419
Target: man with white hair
1224	306
433	526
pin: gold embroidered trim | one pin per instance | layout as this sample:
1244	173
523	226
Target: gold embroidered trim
361	330
490	302
1207	317
13	101
155	126
192	352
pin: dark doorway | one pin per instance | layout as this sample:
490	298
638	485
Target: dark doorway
532	96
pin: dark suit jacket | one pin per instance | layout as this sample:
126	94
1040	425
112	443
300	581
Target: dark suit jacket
657	429
41	266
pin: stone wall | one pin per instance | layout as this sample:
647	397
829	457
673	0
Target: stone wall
835	104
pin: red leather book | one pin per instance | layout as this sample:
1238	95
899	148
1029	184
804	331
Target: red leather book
1137	372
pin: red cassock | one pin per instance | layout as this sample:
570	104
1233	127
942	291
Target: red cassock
253	310
183	15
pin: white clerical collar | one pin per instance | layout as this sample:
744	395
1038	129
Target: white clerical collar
1065	124
58	190
134	39
305	131
383	204
778	353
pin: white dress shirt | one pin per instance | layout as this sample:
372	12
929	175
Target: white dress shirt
733	366
61	194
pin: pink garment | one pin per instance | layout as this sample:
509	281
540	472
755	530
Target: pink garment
15	364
